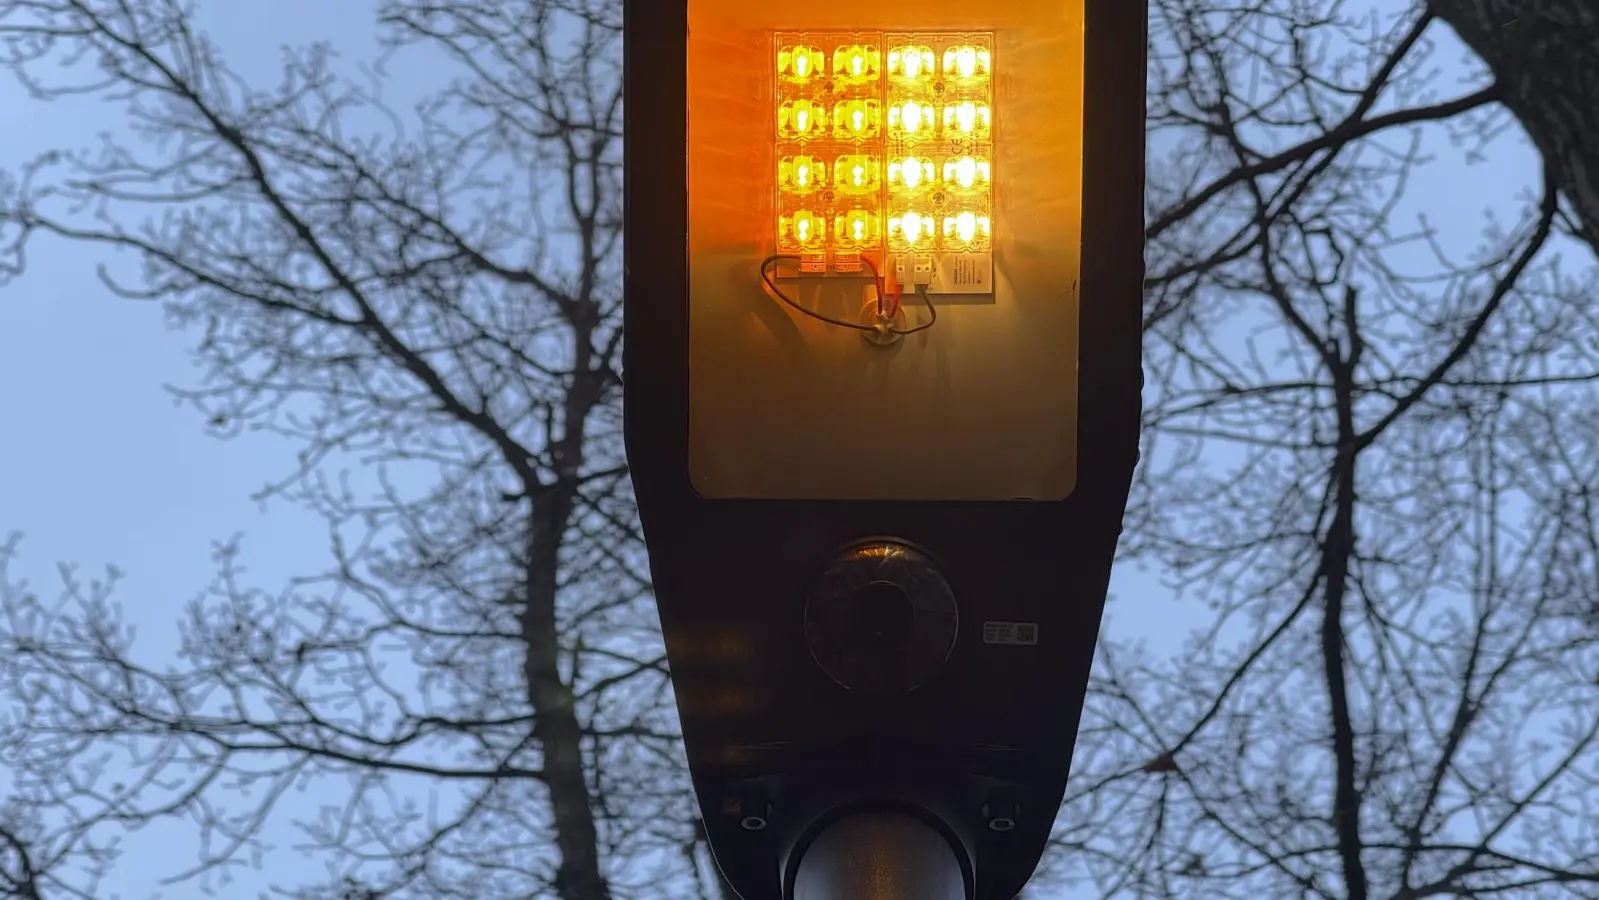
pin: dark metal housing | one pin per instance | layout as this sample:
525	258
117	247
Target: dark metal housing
985	745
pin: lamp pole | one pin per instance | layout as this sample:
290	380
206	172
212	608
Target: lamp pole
879	855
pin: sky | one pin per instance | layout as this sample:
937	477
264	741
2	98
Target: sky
98	466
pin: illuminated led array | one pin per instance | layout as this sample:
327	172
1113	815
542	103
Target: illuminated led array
883	140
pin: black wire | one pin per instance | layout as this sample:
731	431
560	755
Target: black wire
921	290
770	263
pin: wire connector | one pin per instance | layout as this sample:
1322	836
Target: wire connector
880	316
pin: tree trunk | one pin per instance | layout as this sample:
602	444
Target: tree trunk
556	723
1545	56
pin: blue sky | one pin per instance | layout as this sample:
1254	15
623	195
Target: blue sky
99	466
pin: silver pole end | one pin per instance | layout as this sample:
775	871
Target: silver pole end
880	855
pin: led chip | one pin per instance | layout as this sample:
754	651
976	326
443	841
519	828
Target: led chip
802	230
910	173
800	120
798	63
966	172
856	229
966	119
856	64
801	174
967	62
911	230
911	119
855	119
910	62
967	230
856	173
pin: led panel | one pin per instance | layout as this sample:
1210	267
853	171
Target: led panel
884	144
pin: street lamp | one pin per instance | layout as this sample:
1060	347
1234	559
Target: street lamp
883	321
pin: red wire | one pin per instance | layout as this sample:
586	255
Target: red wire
877	281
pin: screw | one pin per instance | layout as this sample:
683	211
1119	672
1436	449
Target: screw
754	812
1001	815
